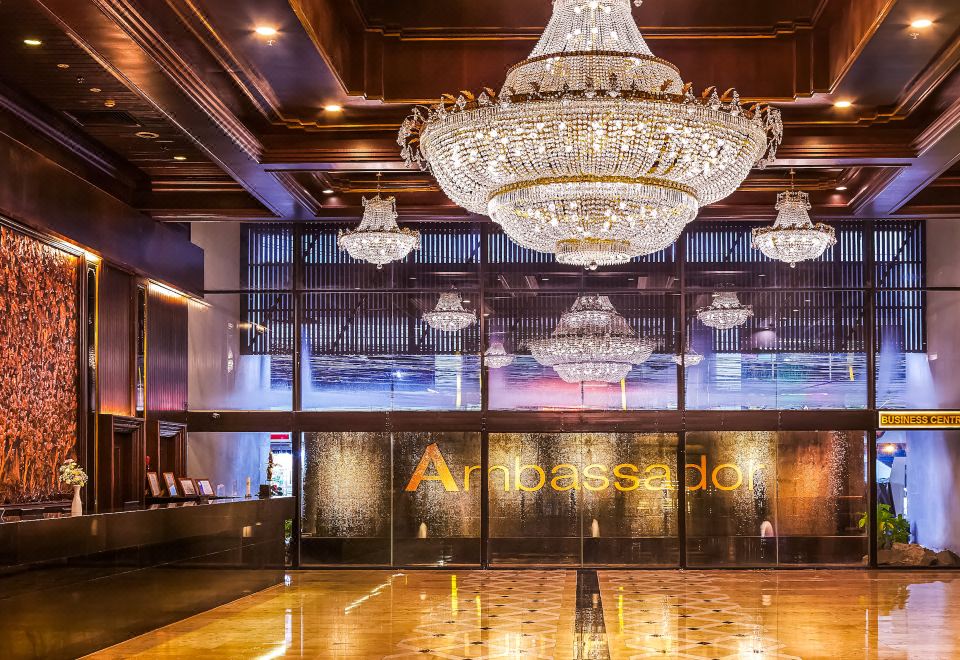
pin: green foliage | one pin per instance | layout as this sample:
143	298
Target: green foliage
890	528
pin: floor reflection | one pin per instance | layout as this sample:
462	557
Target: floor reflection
567	614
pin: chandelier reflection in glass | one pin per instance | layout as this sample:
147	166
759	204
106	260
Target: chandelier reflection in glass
594	149
592	342
378	239
449	314
497	357
793	236
725	312
689	358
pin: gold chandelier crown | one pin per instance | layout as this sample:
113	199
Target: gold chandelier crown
594	150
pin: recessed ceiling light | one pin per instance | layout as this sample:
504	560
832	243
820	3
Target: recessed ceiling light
33	42
95	90
147	135
179	157
333	107
110	103
841	188
63	66
266	30
921	23
843	104
327	191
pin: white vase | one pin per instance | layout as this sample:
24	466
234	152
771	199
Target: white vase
76	507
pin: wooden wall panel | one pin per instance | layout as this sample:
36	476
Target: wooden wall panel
39	381
115	348
166	352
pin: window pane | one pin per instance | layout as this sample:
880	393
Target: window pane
916	480
374	351
346	499
516	320
436	498
598	498
241	352
800	350
244	255
767	498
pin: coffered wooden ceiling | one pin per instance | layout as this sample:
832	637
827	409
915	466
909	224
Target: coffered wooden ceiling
232	124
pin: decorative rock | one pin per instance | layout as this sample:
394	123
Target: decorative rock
947	558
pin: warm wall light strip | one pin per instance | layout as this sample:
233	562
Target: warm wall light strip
170	291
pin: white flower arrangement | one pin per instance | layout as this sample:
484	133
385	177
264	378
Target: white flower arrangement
72	474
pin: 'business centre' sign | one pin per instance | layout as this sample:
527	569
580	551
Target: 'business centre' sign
919	419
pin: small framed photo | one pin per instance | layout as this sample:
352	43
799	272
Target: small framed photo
187	487
170	481
153	483
204	487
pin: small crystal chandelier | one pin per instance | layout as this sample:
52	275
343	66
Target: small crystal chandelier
497	357
725	311
592	342
449	314
594	149
793	236
378	239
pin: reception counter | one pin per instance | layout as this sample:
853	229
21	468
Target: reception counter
70	586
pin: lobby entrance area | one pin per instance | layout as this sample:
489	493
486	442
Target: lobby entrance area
582	499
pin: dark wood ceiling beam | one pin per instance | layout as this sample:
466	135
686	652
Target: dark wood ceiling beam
123	40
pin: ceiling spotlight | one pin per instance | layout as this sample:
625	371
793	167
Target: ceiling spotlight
95	90
179	157
63	66
843	104
841	188
33	42
921	23
328	191
147	135
110	103
266	30
333	107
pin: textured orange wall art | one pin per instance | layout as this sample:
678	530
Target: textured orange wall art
38	366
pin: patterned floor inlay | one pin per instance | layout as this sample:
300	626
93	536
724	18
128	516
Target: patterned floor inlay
416	615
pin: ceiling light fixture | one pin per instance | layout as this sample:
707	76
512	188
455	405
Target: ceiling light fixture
333	107
793	236
33	42
921	23
378	239
266	30
328	191
843	104
592	343
147	135
840	188
594	150
181	158
63	65
725	312
449	314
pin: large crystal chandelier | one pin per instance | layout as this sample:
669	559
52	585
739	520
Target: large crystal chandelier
793	236
378	239
449	314
725	311
592	342
594	149
497	357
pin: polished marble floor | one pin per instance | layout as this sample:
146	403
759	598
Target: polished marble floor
570	614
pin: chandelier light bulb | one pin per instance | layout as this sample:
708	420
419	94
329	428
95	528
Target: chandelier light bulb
592	342
594	149
378	239
725	312
793	237
449	314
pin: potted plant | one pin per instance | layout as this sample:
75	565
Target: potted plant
890	528
72	474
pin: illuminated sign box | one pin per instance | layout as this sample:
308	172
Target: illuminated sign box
920	419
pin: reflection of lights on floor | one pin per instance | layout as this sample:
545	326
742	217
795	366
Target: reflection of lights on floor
372	593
